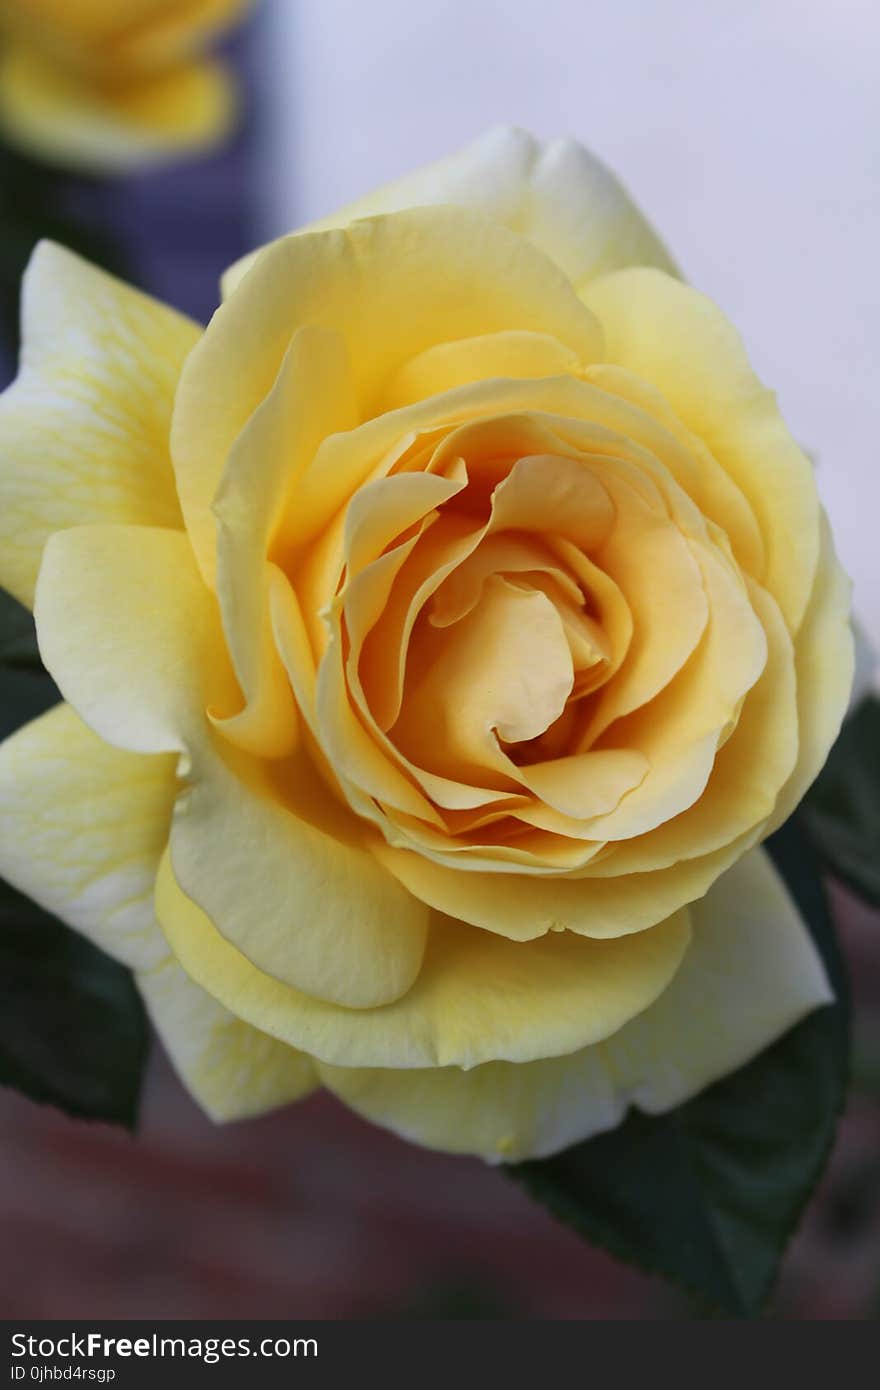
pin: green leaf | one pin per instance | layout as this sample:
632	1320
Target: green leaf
842	809
26	689
18	636
708	1195
72	1026
38	200
23	696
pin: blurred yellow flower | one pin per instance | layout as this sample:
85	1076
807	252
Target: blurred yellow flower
107	85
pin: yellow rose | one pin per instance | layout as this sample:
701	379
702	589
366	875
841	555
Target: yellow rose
442	630
108	84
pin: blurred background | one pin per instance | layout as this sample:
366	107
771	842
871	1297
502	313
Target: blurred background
749	130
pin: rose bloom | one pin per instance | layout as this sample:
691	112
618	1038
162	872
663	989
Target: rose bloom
108	84
441	631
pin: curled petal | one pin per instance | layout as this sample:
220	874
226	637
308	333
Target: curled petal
679	341
392	287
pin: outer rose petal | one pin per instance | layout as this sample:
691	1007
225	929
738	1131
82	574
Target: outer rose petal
558	195
392	287
84	428
310	399
132	636
79	121
750	973
309	905
82	828
478	997
824	656
231	1069
306	902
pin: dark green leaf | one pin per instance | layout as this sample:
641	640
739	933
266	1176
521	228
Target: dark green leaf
36	201
708	1195
72	1026
24	695
18	638
842	809
26	689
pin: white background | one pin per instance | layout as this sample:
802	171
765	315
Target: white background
749	131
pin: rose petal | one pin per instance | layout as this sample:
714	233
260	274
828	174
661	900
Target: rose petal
478	997
523	907
503	672
445	366
749	770
233	1070
679	731
557	194
114	599
824	662
750	973
82	828
392	287
84	427
679	341
310	398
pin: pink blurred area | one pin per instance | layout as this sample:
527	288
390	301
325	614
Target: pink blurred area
311	1213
